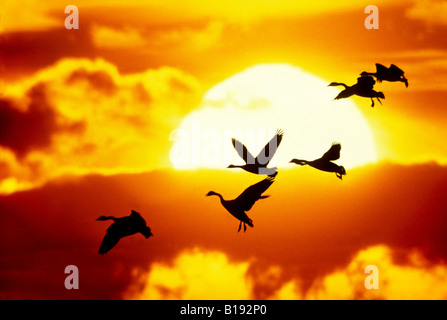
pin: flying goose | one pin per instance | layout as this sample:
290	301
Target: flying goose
259	164
245	201
363	88
325	162
393	73
122	227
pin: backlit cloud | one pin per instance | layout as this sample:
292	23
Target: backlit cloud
197	274
194	273
82	116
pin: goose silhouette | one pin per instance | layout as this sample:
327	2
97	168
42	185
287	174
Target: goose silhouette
325	162
363	88
392	74
259	164
122	227
245	201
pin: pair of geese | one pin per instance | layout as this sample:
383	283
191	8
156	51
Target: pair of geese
130	225
126	226
365	83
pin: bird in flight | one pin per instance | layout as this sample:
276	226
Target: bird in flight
245	201
393	73
363	88
259	164
122	227
325	162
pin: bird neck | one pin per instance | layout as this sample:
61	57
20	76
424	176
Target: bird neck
339	84
235	166
107	218
222	200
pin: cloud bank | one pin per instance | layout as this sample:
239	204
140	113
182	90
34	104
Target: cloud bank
82	116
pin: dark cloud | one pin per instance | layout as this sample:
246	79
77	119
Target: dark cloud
25	130
98	80
311	225
42	48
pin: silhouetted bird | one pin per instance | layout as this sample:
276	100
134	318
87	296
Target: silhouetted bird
259	164
325	162
245	201
363	88
393	73
123	227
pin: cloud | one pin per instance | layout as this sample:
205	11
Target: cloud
32	128
194	272
81	116
191	275
110	38
44	16
416	279
432	12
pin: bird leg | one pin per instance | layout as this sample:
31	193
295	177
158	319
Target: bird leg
240	225
372	104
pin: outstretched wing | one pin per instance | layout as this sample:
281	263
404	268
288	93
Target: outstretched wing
381	69
247	199
396	70
333	153
110	240
366	82
270	148
243	152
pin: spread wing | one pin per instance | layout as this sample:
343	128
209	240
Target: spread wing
381	69
396	70
110	240
247	199
333	153
270	148
366	82
243	152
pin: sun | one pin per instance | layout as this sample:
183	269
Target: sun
251	105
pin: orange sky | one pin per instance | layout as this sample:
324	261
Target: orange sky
85	121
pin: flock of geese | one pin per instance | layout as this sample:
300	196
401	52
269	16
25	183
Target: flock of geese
238	207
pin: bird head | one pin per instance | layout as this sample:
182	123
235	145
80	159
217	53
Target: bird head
341	172
232	166
380	95
147	232
211	193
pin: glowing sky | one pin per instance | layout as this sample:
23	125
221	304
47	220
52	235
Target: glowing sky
87	119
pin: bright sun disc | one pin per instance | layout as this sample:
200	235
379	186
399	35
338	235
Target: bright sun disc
251	105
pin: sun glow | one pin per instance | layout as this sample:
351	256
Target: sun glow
251	105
